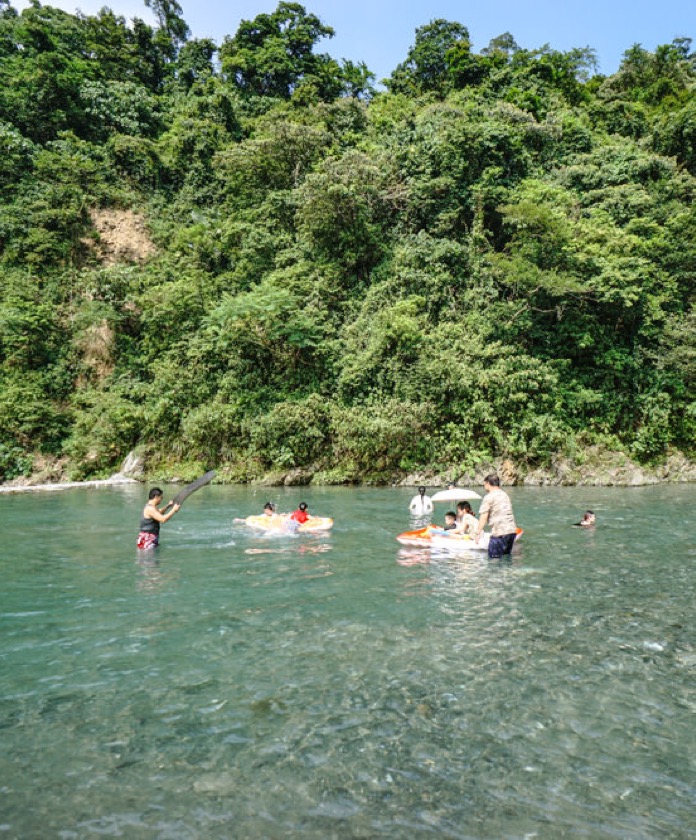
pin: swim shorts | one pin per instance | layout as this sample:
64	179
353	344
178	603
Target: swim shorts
497	546
146	541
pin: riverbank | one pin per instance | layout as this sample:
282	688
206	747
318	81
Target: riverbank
595	468
64	485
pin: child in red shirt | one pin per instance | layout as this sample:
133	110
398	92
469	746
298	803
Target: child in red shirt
300	515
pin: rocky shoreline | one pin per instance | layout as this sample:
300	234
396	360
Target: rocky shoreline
596	468
12	487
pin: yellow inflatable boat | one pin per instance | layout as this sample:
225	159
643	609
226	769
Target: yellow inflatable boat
280	523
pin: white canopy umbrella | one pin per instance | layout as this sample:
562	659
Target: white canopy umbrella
456	494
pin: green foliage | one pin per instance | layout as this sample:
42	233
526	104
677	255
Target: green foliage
135	158
375	440
269	335
494	257
383	342
291	434
17	155
14	462
213	431
105	429
273	54
171	23
29	418
195	62
119	107
441	47
277	158
344	212
653	422
30	336
675	134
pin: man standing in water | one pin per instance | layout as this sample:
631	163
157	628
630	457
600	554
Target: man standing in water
152	517
496	509
421	505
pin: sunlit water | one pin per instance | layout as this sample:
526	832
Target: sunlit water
342	686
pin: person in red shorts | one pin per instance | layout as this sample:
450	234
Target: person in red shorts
148	536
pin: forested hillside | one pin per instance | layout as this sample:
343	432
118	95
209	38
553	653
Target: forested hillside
243	256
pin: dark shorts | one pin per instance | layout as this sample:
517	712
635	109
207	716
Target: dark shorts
498	546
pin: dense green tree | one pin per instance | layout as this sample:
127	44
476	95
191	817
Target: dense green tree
263	263
169	17
195	61
272	55
428	65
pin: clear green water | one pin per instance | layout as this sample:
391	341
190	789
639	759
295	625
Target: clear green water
340	686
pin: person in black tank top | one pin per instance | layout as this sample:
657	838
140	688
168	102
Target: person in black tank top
148	537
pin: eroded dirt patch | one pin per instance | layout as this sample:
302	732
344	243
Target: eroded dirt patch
123	236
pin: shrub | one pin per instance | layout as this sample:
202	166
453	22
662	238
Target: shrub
212	431
107	426
291	434
381	437
13	462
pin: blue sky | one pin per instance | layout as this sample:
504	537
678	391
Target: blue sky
380	32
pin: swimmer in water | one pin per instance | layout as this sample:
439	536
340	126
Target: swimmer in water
268	510
588	520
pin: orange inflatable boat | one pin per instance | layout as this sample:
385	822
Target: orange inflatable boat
436	537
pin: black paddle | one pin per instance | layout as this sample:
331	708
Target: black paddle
191	488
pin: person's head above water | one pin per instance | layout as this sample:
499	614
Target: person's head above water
421	490
302	506
268	508
154	493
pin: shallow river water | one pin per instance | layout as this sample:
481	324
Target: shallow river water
343	686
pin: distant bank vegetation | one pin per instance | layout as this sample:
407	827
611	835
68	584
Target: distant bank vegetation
244	256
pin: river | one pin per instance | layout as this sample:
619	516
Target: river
342	686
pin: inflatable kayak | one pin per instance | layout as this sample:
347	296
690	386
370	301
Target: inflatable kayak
439	538
421	536
278	524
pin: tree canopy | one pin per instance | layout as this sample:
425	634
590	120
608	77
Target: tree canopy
247	256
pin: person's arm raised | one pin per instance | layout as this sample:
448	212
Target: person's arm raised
154	513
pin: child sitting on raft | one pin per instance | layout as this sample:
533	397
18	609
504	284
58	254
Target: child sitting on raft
297	517
451	521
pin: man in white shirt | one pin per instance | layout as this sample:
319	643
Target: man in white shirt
496	510
421	505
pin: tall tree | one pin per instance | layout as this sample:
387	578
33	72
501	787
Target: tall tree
427	65
169	17
273	54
